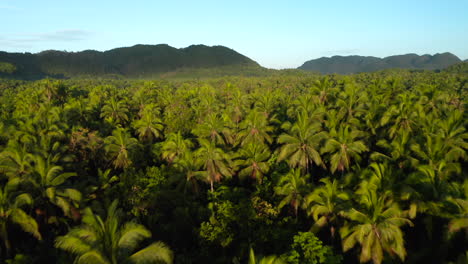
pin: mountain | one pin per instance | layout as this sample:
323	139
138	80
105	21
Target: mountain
355	64
136	61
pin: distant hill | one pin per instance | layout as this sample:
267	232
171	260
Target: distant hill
356	64
136	61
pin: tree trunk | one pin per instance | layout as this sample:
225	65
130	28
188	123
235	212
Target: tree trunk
6	241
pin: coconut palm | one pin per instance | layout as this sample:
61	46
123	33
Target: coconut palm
332	121
253	161
215	162
324	89
375	226
109	241
174	146
120	147
325	204
303	103
264	260
265	103
12	203
351	102
439	156
344	146
190	169
101	183
114	111
15	161
49	180
76	111
402	117
236	106
149	127
214	128
453	132
255	128
461	220
292	186
301	144
50	88
397	150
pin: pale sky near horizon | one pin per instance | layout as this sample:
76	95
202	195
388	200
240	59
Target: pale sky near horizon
276	34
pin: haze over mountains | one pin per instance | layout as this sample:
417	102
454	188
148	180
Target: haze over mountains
356	64
152	61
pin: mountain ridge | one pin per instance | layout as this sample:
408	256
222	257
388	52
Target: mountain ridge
137	60
356	63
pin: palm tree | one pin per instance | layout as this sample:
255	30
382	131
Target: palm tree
431	99
375	227
303	103
49	180
102	182
109	241
214	128
332	121
174	146
438	155
344	146
11	212
323	89
253	161
190	167
461	220
453	132
402	117
255	128
301	143
15	161
215	162
149	127
115	111
266	103
292	186
76	111
325	204
264	260
351	101
237	104
119	147
397	150
429	189
50	88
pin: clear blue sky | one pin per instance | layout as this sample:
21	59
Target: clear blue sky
277	34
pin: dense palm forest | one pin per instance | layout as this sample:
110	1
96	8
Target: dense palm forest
367	168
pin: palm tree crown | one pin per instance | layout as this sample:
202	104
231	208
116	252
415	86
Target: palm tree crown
109	241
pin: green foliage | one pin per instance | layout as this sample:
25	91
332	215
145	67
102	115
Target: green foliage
370	164
6	67
107	240
264	260
308	249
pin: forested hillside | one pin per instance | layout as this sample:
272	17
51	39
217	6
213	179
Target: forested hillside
367	168
139	61
357	64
